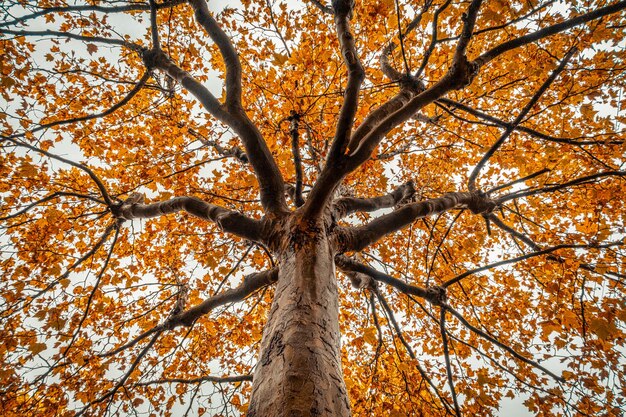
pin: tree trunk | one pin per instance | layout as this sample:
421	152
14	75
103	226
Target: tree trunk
299	369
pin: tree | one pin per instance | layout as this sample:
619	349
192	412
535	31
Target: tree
172	240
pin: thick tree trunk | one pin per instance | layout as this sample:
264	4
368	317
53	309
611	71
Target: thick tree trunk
299	369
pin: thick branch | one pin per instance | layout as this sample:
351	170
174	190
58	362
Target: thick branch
199	380
357	238
229	221
231	59
267	173
331	176
251	283
347	264
294	119
549	31
345	206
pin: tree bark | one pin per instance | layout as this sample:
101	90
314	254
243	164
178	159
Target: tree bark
299	369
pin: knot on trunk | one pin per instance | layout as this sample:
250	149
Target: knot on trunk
462	72
480	203
404	194
362	281
436	295
411	83
120	210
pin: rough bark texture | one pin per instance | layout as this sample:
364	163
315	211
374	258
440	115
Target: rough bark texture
299	369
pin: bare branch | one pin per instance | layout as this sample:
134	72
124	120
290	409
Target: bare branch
199	380
471	183
154	29
357	238
347	205
293	119
229	221
231	59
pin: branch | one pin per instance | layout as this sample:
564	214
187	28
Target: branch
347	264
121	382
91	8
227	220
433	38
446	354
132	93
398	331
154	29
322	6
482	115
68	271
98	39
251	283
330	175
267	173
294	118
234	152
523	257
227	50
500	344
52	196
471	183
199	380
357	238
548	189
345	206
549	31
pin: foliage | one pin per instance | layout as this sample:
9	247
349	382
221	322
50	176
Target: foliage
114	113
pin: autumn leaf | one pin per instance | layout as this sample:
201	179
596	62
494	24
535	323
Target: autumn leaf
381	208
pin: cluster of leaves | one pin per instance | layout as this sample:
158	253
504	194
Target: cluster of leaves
85	123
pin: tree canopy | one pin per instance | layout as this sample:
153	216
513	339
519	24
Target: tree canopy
464	160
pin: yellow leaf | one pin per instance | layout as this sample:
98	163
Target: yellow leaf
36	348
370	336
